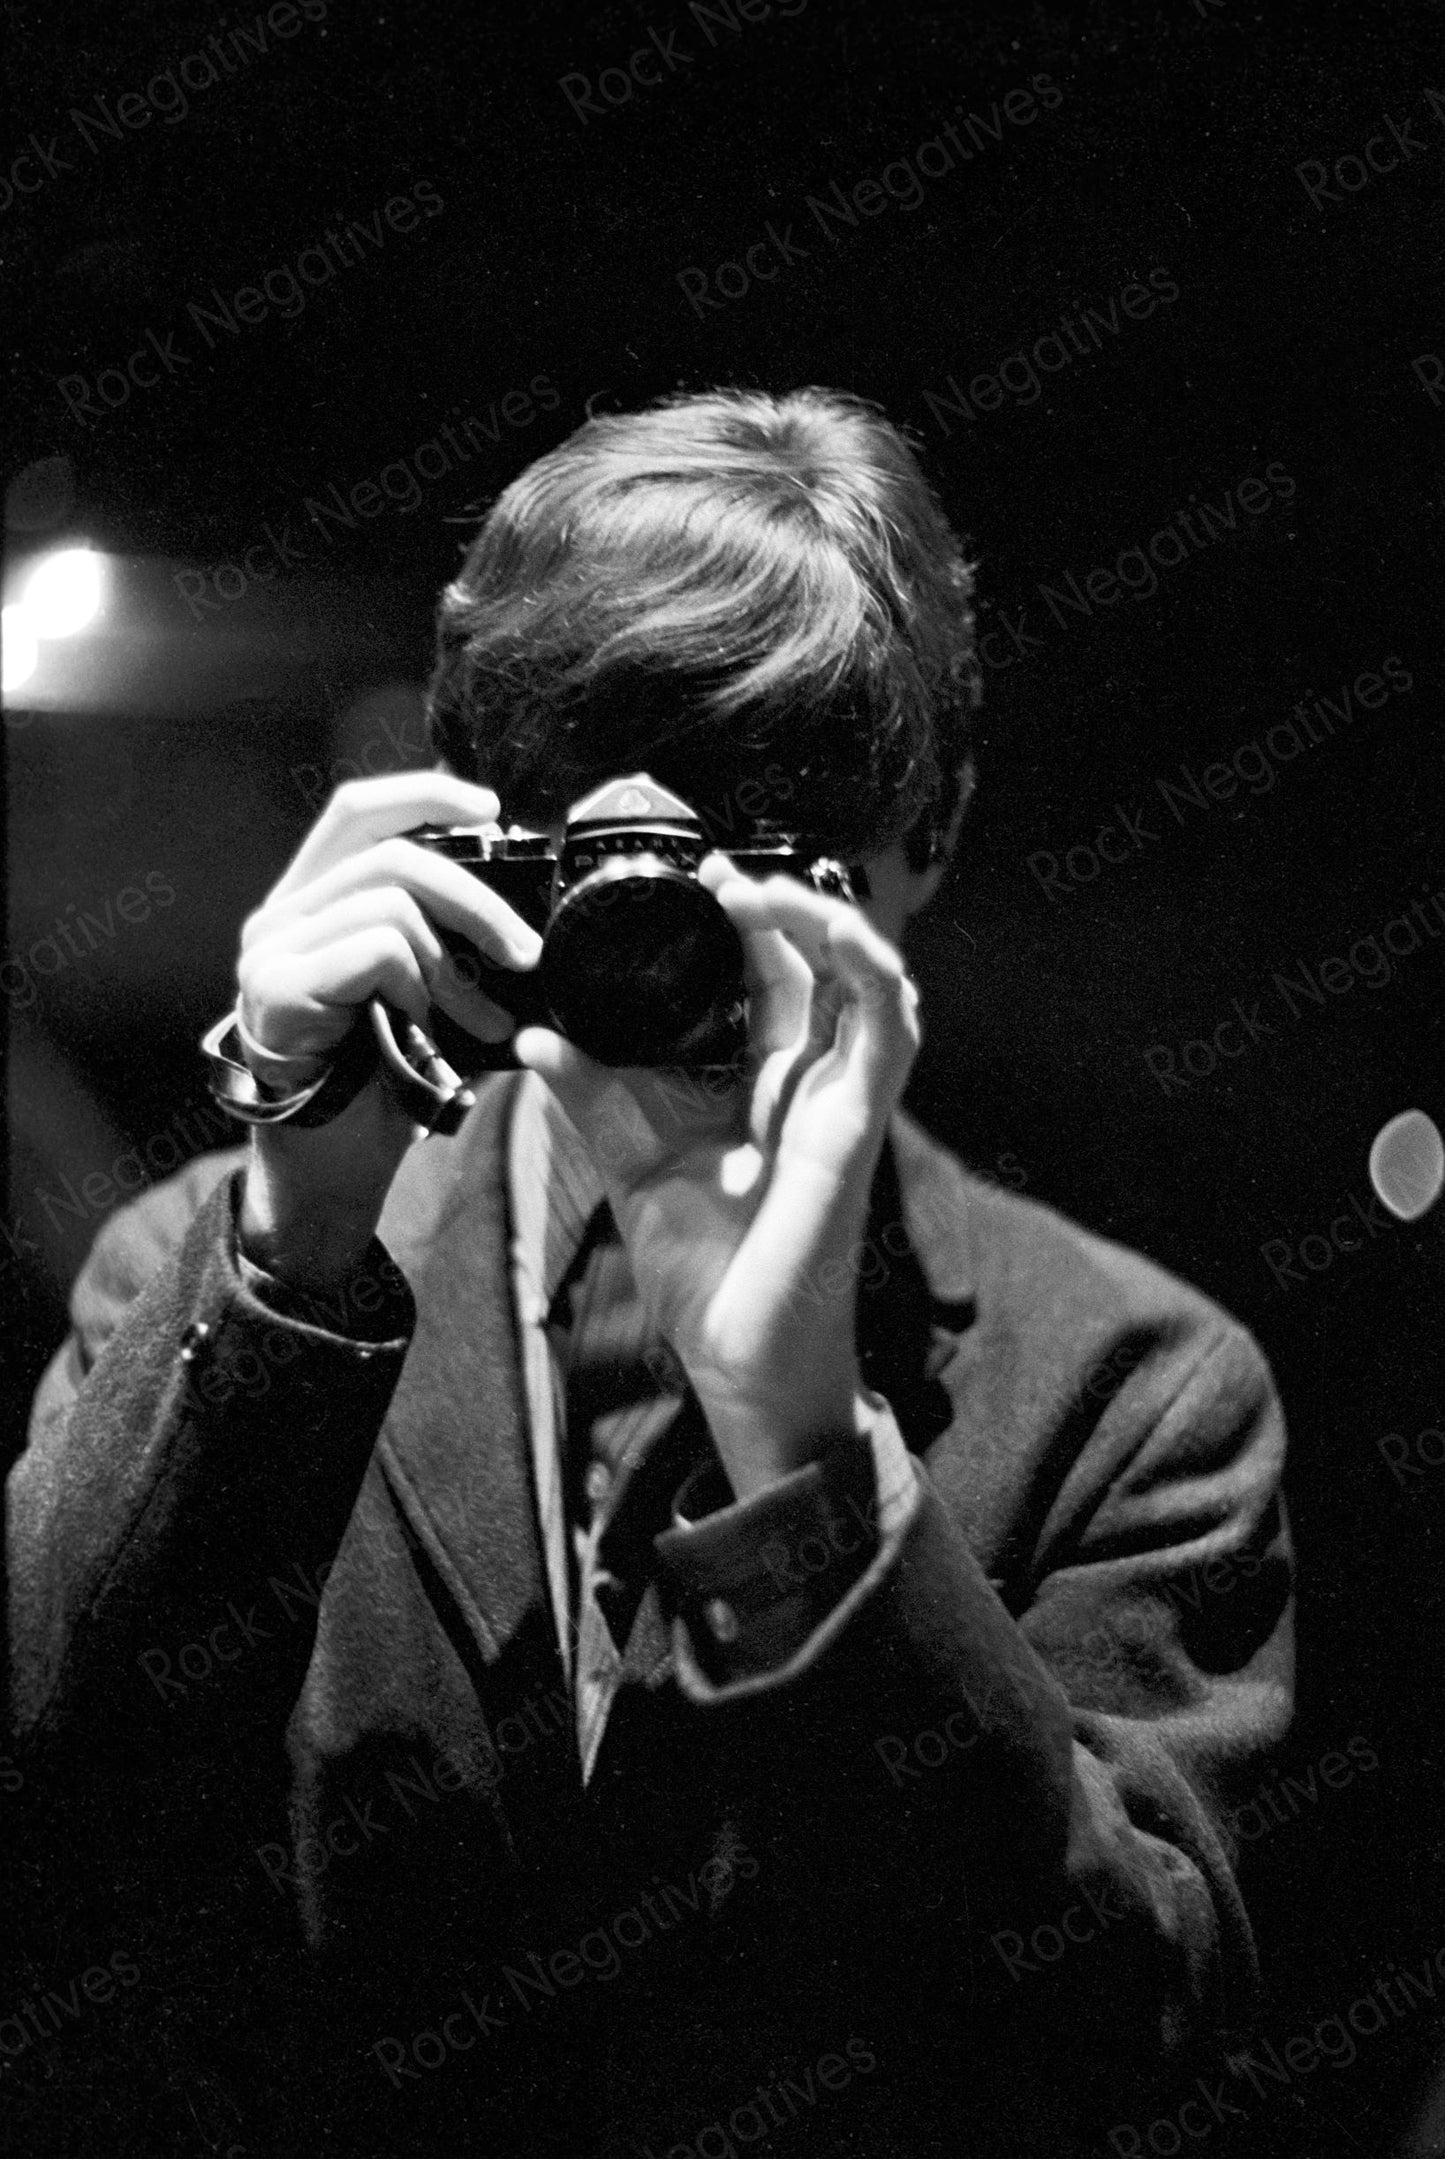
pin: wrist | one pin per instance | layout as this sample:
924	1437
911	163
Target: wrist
762	1436
276	1072
305	1217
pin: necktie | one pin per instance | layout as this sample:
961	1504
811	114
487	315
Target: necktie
620	1397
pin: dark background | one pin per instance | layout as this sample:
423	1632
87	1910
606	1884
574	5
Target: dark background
193	743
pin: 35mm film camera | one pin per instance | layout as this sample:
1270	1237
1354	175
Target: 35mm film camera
640	965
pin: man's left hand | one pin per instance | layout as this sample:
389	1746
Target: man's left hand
743	1207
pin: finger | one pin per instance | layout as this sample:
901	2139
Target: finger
864	1003
634	1119
450	895
461	1000
812	921
308	932
715	869
446	978
783	1070
878	1022
779	984
795	994
598	1100
364	811
308	1000
777	978
780	903
568	1071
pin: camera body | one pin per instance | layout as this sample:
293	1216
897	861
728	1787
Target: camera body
639	964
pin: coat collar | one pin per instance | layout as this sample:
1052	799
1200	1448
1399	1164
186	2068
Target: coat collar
455	1444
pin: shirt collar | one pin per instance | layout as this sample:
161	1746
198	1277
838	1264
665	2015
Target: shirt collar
556	1190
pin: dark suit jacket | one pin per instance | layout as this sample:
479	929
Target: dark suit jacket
956	1877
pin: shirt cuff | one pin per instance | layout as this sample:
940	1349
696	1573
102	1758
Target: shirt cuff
755	1579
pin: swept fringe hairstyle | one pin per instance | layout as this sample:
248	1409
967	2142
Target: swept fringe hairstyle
746	596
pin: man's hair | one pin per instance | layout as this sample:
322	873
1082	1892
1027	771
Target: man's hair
756	599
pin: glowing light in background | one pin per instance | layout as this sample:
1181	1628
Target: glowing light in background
1407	1164
63	594
118	632
21	648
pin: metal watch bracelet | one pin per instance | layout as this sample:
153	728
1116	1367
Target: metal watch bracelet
425	1084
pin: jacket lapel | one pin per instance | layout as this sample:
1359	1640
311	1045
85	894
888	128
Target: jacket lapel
455	1445
933	1190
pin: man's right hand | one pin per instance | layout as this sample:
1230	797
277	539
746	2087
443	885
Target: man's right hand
356	916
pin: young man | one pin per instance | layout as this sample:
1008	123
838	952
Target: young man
676	1612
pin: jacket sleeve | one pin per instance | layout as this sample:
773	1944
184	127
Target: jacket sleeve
193	1458
1038	1790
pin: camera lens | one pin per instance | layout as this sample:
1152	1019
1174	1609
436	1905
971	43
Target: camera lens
640	965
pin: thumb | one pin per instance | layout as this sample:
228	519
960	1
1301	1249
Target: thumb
574	1078
597	1100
